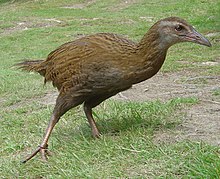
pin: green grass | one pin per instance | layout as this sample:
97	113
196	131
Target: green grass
216	92
127	147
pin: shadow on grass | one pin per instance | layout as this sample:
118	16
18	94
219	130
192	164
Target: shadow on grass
114	118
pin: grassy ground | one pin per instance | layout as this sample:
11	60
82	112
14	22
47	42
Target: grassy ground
31	29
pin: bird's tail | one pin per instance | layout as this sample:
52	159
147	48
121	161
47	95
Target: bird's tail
32	65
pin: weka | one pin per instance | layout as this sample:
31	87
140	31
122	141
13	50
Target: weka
93	68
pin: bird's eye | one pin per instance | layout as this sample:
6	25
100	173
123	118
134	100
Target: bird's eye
179	28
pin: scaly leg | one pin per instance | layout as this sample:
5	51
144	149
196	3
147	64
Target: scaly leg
63	104
88	105
88	112
43	147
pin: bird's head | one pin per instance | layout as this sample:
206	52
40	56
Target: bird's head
174	30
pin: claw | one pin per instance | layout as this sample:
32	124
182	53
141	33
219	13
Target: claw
43	155
44	152
96	134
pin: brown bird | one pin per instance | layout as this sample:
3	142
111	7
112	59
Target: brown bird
93	68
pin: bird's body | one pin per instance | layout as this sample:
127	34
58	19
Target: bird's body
95	67
99	62
98	65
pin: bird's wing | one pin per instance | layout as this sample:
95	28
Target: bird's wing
95	59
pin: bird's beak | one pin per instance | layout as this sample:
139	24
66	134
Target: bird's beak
196	37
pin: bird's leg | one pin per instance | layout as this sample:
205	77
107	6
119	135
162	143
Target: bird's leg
64	102
43	147
88	112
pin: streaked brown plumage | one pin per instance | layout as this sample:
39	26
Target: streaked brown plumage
93	68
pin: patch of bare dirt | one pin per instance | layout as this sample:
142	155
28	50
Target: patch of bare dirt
27	24
49	98
201	121
168	86
147	18
80	5
122	5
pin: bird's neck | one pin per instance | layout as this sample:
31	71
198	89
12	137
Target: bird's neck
151	56
153	41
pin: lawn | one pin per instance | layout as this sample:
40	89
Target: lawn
127	148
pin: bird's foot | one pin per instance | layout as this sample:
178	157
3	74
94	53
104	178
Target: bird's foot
96	134
44	153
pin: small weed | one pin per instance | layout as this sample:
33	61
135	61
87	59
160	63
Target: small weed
216	92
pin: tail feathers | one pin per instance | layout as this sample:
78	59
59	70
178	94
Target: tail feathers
32	65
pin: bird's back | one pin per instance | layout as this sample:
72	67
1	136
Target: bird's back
92	63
